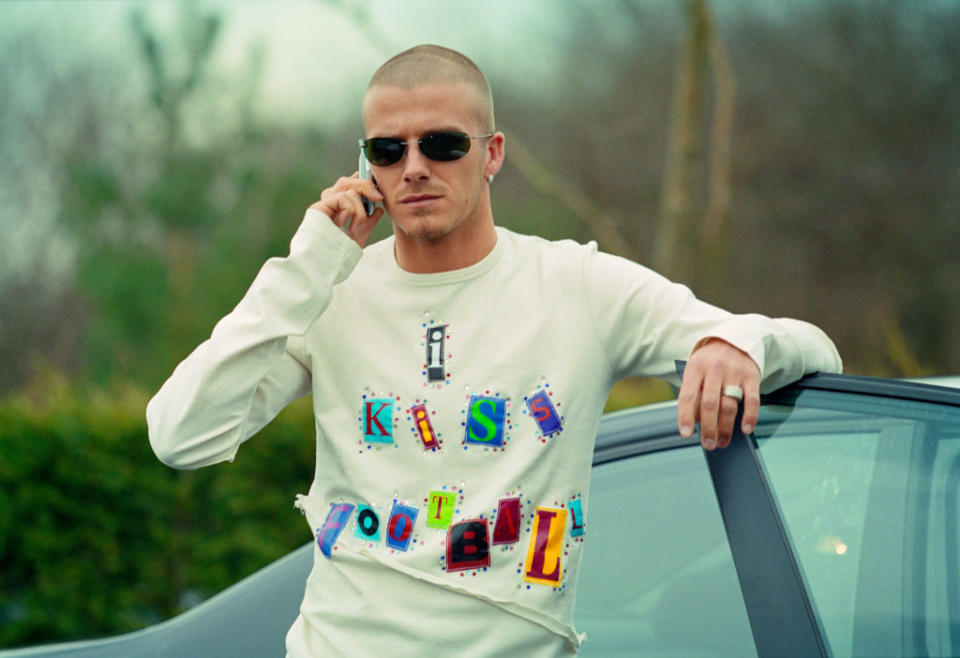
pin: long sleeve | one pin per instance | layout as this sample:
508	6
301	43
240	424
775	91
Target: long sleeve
236	381
646	322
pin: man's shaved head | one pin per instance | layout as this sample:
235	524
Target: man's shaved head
429	64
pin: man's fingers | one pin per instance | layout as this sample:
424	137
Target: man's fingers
688	402
363	225
751	407
369	189
728	415
710	411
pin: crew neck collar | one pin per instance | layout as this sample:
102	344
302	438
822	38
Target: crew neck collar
450	276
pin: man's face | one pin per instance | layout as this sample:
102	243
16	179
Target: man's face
429	199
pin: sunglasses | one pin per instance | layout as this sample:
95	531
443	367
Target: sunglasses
441	146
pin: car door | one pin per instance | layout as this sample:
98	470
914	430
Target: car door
831	530
657	576
864	475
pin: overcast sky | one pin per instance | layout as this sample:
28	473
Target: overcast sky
313	49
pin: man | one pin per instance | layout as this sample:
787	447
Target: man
458	374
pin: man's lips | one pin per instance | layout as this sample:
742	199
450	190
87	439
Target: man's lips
419	198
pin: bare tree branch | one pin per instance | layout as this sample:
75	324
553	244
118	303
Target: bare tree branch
599	221
721	129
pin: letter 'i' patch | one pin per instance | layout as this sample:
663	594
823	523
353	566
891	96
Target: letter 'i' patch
544	413
506	530
400	526
543	565
576	518
468	546
368	524
423	427
435	340
336	521
440	507
485	421
378	420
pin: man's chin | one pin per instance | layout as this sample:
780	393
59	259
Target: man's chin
423	227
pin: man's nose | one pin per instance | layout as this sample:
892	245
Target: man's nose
415	164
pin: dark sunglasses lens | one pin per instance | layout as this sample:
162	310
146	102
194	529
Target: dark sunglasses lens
445	146
383	151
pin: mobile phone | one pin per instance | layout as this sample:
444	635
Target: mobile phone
365	174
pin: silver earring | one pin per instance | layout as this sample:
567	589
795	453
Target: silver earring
490	178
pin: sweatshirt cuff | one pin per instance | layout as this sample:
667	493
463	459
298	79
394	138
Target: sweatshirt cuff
318	235
745	332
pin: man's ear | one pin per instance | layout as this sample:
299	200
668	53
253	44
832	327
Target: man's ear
495	155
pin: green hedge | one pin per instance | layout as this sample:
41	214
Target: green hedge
98	537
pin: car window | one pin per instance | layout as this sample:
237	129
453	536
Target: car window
868	490
657	577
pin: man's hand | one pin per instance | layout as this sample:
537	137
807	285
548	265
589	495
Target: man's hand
342	204
713	366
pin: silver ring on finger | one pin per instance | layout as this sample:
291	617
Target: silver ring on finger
733	391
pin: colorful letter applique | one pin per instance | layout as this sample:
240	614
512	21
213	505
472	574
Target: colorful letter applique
485	421
440	508
400	526
336	521
436	372
546	546
506	530
576	517
544	413
368	524
378	420
468	546
421	422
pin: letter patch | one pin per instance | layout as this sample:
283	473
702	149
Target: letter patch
486	421
334	524
368	524
400	526
377	420
440	507
506	530
546	547
423	427
576	517
434	366
468	546
543	411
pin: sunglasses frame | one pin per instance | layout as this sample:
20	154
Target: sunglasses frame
365	143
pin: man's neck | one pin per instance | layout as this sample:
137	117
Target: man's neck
464	247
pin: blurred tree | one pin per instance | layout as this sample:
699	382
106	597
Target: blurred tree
696	189
847	204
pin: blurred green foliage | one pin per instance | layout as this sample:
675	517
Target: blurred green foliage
98	537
